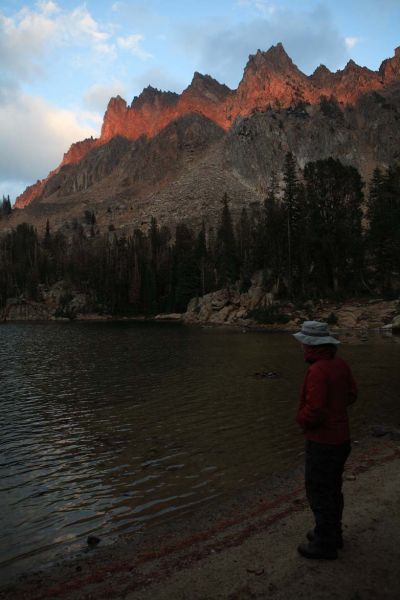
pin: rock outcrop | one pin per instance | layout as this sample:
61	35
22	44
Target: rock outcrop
271	82
396	324
59	301
19	309
229	306
260	308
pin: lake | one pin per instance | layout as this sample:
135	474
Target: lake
107	428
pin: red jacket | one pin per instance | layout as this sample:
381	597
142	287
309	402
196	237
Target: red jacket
327	391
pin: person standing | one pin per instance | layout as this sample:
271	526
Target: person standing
328	389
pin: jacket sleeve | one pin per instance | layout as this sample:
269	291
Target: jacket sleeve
313	411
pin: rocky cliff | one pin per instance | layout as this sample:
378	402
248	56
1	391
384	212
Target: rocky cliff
174	155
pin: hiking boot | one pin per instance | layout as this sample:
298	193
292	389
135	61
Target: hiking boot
311	550
339	539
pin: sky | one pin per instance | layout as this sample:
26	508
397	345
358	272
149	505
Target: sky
62	60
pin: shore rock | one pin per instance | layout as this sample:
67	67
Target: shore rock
396	324
20	309
168	317
60	301
229	306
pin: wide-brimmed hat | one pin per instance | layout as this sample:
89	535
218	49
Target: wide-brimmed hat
315	333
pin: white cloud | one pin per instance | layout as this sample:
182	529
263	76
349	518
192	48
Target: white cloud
30	35
79	27
23	42
351	41
48	7
132	43
35	136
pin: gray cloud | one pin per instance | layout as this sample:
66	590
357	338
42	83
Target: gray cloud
309	37
34	137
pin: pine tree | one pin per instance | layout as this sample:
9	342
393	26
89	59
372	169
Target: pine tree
186	277
291	205
274	238
332	231
383	238
246	237
226	254
5	208
202	258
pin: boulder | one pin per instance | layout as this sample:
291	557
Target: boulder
219	299
222	315
193	305
396	324
79	304
20	309
169	317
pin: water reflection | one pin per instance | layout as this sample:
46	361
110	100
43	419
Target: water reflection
109	427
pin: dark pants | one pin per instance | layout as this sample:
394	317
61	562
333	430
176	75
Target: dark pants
323	475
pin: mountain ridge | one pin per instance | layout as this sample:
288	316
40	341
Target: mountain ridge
270	81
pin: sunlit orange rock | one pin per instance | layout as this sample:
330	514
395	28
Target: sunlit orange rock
270	80
76	152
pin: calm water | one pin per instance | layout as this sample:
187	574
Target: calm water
107	428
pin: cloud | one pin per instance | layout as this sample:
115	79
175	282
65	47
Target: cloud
309	37
351	41
34	133
98	95
23	42
80	27
31	35
48	7
34	137
132	43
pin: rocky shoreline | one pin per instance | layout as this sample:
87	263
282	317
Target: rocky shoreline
254	310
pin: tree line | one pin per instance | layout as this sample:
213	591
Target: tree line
5	207
317	234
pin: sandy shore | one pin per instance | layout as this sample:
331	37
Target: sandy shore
245	547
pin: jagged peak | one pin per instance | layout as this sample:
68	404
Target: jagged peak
203	78
322	76
352	66
394	59
277	51
150	94
84	141
206	83
197	75
275	58
390	67
116	101
322	70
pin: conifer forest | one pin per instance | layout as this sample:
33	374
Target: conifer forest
320	233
